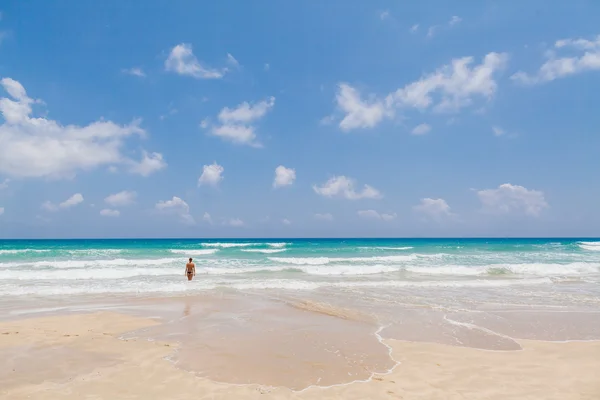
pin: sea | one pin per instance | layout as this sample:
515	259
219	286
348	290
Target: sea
46	268
485	293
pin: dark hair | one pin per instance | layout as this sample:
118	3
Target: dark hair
190	259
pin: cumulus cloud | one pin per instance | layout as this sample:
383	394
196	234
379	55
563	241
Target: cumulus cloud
324	217
207	218
121	199
372	214
284	176
449	89
421	129
509	198
1	210
211	175
182	61
107	212
384	15
436	209
235	222
455	85
414	28
176	206
40	147
4	184
359	113
237	125
341	186
72	201
286	221
149	164
587	58
135	72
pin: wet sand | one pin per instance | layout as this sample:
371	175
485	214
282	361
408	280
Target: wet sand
245	347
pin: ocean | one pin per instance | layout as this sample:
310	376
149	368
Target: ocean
49	268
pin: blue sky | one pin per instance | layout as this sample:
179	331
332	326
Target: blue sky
299	118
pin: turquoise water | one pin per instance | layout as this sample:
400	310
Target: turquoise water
70	267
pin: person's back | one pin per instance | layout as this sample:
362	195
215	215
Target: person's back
190	270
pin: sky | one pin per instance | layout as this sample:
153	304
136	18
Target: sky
299	118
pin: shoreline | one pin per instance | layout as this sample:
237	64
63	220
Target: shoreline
243	346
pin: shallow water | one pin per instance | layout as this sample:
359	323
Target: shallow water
70	267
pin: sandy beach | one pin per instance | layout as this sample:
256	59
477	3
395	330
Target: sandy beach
241	348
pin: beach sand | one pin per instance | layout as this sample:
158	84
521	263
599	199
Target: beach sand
271	350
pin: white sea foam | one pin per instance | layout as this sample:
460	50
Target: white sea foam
96	287
226	245
590	246
538	269
88	273
195	252
95	252
19	251
386	248
91	263
348	270
327	260
264	251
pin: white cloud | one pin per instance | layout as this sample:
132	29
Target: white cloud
232	61
235	222
286	221
135	72
324	217
267	67
498	131
4	184
182	61
586	59
421	129
375	215
211	175
359	113
448	89
72	201
176	206
436	209
207	218
1	210
455	20
384	15
149	164
456	84
414	28
39	147
49	206
284	176
236	125
341	186
431	31
121	199
107	212
509	198
246	112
